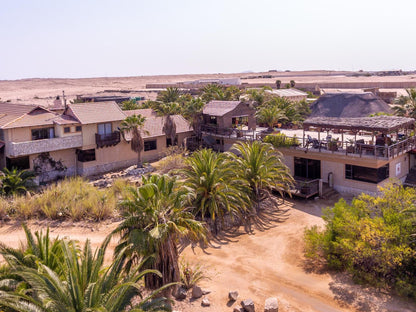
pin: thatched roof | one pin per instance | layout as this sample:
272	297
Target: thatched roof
384	124
348	105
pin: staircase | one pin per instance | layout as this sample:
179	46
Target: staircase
328	192
411	177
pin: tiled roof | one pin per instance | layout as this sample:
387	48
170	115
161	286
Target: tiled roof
145	112
10	112
219	108
97	112
154	125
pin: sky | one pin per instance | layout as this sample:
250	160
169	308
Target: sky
109	38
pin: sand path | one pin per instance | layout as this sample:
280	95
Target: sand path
266	262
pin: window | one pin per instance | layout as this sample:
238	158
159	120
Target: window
43	133
104	128
213	120
86	155
78	128
371	175
150	145
307	168
18	163
67	129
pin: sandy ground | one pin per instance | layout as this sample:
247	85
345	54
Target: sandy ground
265	261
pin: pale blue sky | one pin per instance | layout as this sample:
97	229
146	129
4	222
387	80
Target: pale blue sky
95	38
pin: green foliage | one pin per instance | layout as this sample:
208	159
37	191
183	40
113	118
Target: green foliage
16	181
281	140
133	126
130	105
406	105
156	217
217	92
59	275
261	166
191	275
215	188
373	239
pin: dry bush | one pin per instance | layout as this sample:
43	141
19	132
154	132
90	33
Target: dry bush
4	207
22	207
77	200
120	187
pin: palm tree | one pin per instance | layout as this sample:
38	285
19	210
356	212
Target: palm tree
406	105
215	188
16	181
39	248
156	217
270	115
83	284
261	166
170	95
133	125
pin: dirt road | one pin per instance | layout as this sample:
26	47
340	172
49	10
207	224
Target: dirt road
266	262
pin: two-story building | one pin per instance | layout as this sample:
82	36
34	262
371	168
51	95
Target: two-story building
352	155
225	122
84	139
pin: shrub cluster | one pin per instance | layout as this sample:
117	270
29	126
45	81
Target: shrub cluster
373	238
281	140
73	199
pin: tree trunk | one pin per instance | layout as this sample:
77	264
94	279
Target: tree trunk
139	160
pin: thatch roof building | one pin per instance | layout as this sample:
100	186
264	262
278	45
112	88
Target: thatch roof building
348	105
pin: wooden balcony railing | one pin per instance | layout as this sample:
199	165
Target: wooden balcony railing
105	140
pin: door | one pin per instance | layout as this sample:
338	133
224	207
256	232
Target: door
307	168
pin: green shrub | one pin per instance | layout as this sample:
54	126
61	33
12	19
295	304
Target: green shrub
373	239
191	275
281	140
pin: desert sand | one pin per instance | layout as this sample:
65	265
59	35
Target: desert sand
267	260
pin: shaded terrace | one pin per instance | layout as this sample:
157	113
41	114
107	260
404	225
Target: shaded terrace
379	136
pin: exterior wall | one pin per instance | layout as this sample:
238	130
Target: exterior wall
336	166
59	130
242	109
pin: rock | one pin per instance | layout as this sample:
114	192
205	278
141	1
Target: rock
233	295
271	305
206	292
205	302
180	293
248	305
197	292
238	309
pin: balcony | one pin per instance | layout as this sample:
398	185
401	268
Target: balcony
105	140
359	148
16	149
231	133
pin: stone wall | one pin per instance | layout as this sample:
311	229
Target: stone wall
41	146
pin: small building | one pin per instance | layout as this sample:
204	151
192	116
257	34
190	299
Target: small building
84	140
353	154
224	122
292	94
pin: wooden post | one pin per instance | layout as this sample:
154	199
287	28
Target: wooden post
320	187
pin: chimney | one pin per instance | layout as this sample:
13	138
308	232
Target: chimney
63	99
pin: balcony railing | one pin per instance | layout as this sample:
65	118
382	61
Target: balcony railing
16	149
104	140
352	148
232	133
305	188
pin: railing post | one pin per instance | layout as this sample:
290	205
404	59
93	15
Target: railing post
320	187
